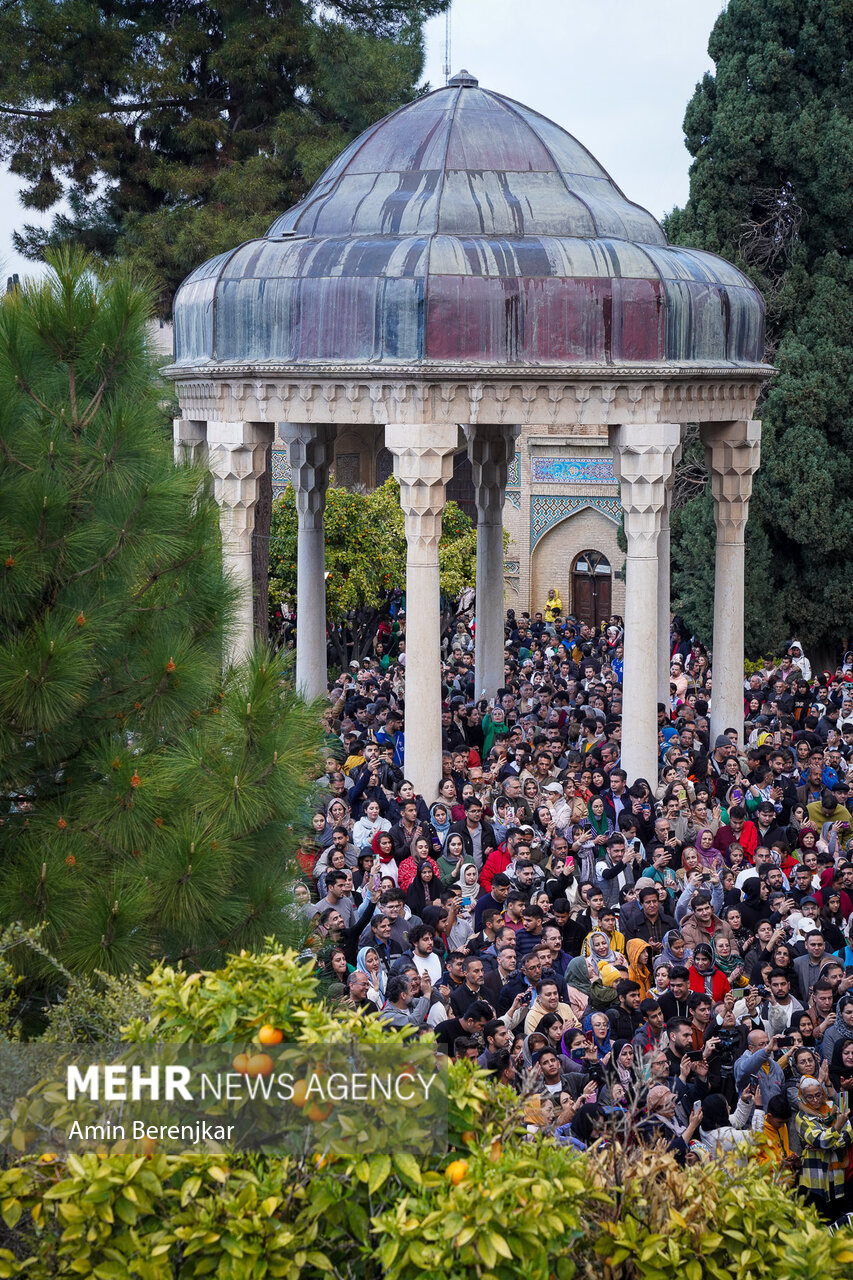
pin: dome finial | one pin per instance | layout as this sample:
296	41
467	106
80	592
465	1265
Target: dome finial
463	80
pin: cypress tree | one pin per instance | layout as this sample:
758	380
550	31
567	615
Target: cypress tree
771	133
149	801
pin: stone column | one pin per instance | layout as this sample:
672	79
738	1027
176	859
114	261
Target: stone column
732	454
664	571
423	464
190	440
490	449
642	459
310	450
238	455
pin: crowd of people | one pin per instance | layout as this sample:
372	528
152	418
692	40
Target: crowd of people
670	954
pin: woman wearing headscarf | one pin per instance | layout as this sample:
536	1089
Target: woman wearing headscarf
803	1061
638	965
451	859
599	821
424	890
578	979
826	1137
709	854
368	962
573	1048
706	977
841	1066
620	1073
596	1026
551	1026
382	848
610	965
674	950
803	1022
439	816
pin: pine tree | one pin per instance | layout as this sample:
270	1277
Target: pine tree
772	137
175	129
149	802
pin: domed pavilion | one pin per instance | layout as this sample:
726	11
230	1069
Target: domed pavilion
466	267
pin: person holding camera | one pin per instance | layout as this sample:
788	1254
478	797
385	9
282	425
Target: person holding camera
778	1006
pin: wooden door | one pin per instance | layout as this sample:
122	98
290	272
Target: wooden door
591	588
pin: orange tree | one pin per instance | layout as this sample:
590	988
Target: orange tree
500	1203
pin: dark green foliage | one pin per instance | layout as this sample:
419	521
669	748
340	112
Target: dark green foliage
178	128
148	802
772	137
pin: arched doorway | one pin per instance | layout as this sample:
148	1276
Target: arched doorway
591	587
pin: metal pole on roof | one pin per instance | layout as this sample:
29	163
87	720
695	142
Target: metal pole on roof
447	45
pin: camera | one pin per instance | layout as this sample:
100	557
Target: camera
764	992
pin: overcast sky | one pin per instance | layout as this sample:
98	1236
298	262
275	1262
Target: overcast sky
616	73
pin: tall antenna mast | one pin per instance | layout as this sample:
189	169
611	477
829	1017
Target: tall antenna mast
447	67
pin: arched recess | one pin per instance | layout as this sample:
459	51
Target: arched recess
557	551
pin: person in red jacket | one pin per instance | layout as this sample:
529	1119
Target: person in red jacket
500	858
705	976
738	830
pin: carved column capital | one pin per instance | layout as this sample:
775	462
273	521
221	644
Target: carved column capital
732	455
190	440
643	458
423	465
310	452
490	450
237	458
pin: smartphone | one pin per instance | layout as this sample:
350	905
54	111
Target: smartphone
843	1100
753	1080
466	901
785	1042
695	1055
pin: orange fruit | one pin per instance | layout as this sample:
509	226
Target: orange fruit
496	1150
300	1093
49	1157
316	1112
149	1146
469	1137
270	1035
240	1063
456	1171
260	1064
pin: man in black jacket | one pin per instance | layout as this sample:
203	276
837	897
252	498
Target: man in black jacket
625	1017
478	836
675	1003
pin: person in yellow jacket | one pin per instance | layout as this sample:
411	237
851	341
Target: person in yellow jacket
553	605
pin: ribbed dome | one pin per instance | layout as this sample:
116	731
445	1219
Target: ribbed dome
467	228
